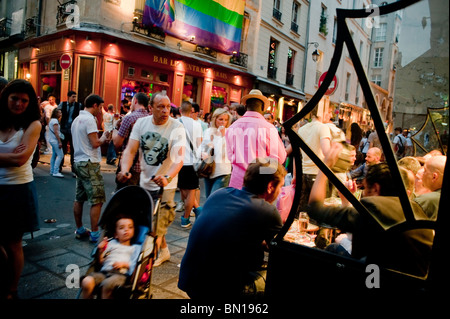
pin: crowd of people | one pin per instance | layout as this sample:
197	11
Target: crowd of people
156	145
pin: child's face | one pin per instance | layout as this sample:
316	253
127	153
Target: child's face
124	229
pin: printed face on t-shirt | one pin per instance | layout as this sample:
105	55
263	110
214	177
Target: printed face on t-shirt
154	147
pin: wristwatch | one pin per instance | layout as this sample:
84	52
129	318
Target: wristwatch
169	178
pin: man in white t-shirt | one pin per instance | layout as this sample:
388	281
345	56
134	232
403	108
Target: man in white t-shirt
87	157
48	106
318	137
161	142
188	181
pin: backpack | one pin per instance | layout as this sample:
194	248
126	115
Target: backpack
401	146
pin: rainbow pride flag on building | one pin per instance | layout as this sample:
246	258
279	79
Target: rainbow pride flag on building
216	24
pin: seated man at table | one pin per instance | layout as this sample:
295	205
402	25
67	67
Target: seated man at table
225	251
408	251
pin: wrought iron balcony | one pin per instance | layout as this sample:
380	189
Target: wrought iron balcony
150	31
5	27
289	79
30	27
276	14
62	12
272	73
294	26
206	51
240	59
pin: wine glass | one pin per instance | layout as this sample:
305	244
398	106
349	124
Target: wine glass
303	222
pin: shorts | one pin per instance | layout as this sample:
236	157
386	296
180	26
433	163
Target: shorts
20	211
109	280
90	185
166	214
187	178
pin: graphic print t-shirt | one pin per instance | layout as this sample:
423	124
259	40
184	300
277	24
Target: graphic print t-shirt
159	147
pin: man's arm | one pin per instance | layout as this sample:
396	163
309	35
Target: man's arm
127	160
117	139
318	190
277	149
97	142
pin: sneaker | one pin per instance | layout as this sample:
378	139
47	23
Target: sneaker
93	236
82	232
185	222
180	206
197	211
58	175
164	255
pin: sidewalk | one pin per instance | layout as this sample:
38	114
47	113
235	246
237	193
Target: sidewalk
53	256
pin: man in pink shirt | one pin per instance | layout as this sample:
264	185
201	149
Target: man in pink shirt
252	137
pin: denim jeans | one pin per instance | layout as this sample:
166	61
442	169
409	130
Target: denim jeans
57	157
213	184
111	153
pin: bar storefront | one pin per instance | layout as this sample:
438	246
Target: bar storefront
116	69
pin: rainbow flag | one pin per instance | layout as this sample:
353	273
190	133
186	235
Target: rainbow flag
216	24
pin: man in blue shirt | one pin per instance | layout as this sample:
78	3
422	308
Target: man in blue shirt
226	245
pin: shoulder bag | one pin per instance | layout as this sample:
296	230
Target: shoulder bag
203	167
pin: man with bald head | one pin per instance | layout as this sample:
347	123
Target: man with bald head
432	177
373	157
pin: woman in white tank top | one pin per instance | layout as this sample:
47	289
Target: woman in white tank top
19	133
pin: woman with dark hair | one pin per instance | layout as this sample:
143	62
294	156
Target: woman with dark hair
356	135
19	133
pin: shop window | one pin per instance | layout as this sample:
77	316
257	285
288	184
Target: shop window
50	84
52	65
147	74
131	87
190	89
162	77
218	96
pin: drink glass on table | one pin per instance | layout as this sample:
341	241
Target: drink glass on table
303	222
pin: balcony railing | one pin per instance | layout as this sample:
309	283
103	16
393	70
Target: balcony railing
62	12
206	51
150	31
5	27
240	59
294	26
30	27
272	73
289	79
276	14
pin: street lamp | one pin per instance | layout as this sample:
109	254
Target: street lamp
315	54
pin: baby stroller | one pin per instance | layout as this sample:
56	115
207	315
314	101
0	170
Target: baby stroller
139	204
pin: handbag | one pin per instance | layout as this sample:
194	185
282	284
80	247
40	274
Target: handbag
203	167
61	135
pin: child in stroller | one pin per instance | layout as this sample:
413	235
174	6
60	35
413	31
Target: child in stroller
137	204
118	258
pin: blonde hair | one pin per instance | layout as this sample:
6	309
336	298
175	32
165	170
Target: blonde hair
218	112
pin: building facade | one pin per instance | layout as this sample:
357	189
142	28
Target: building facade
113	54
277	52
